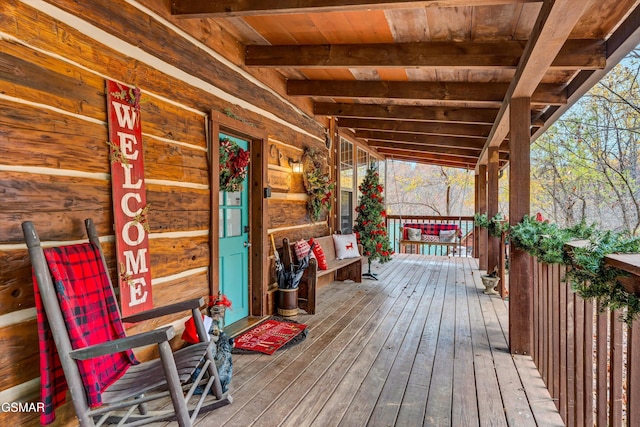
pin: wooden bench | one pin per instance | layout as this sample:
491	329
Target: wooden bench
337	269
430	229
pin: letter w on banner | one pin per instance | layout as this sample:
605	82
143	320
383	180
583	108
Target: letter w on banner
129	198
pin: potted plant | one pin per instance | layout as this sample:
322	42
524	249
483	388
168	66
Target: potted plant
490	281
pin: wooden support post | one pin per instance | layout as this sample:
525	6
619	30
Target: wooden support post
520	281
213	132
493	170
482	208
332	142
476	204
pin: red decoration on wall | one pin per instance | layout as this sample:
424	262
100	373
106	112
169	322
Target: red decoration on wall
129	198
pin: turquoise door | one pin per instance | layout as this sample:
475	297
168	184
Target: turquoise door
234	247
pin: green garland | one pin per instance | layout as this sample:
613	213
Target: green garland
593	279
496	225
317	184
589	275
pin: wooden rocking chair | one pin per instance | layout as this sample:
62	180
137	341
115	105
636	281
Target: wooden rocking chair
188	377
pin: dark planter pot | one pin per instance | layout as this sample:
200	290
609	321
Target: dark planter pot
288	302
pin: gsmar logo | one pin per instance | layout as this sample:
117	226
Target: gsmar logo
22	407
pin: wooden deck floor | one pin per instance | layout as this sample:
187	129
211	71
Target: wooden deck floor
420	346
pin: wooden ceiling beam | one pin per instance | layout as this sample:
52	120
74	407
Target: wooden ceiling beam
482	93
416	138
227	8
574	55
423	148
432	159
553	26
415	148
466	166
429	128
402	112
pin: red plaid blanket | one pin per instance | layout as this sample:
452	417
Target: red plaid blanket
429	228
91	314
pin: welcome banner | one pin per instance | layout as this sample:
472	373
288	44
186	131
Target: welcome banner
129	198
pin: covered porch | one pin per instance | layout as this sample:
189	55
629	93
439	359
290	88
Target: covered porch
421	346
455	83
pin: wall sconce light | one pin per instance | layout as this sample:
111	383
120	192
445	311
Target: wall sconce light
296	165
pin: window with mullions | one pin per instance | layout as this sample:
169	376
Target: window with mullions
346	165
346	186
363	165
382	171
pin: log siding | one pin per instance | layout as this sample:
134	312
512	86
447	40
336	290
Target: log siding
54	165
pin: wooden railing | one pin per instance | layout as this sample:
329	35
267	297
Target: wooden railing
590	361
503	259
465	224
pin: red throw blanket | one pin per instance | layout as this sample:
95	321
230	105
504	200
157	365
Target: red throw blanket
91	313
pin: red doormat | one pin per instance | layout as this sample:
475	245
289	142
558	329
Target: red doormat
268	336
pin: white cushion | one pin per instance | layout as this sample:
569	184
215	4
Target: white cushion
346	246
414	234
448	236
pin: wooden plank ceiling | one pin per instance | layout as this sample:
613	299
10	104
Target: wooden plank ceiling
431	81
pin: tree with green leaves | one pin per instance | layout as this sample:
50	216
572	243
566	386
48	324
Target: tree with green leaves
586	166
370	222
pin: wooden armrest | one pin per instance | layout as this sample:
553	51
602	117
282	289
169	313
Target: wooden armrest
312	269
111	347
163	311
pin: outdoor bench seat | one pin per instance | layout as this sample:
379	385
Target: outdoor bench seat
337	269
429	229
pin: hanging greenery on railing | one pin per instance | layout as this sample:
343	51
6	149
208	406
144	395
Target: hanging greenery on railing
589	274
544	240
495	226
592	278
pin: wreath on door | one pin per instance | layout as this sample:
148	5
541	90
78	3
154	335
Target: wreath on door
234	165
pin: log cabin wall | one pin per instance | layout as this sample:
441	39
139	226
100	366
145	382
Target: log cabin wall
54	166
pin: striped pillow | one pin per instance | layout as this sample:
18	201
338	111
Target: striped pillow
301	249
319	254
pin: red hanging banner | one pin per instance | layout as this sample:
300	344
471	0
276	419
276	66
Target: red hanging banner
129	198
